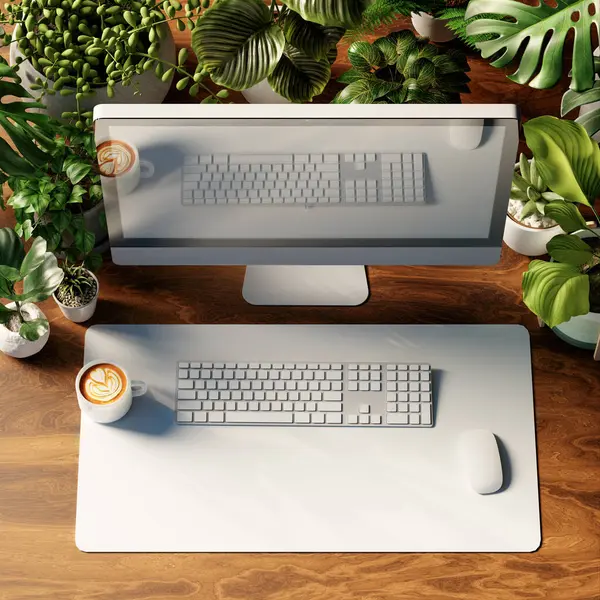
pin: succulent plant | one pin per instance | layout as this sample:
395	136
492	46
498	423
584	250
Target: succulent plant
40	275
80	45
529	187
403	68
78	287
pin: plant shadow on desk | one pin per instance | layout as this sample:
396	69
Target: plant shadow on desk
146	416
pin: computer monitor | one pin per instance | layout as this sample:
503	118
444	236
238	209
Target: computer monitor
305	195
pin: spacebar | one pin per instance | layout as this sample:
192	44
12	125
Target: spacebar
257	417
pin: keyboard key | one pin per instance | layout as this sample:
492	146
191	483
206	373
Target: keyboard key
302	418
364	419
259	417
414	419
353	419
253	405
189	405
332	396
184	417
333	419
391	407
185	384
426	416
216	417
329	406
186	395
364	408
396	419
182	374
318	418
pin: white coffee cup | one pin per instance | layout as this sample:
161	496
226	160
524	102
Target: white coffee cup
112	396
121	167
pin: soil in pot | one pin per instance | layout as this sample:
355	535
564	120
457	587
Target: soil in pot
73	300
535	221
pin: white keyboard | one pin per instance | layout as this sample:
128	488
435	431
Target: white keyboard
304	394
303	179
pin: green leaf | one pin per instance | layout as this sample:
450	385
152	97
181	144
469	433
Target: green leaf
10	273
13	164
529	209
34	258
566	215
6	289
572	99
555	292
298	77
33	330
526	36
353	75
238	43
5	313
84	240
365	57
313	39
590	121
566	158
338	13
569	249
93	261
41	283
61	219
77	194
11	248
524	167
367	91
76	171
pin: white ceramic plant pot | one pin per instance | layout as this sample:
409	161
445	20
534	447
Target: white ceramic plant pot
582	331
152	89
428	26
262	93
13	344
529	241
526	240
79	314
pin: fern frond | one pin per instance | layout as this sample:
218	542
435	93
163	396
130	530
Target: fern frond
458	24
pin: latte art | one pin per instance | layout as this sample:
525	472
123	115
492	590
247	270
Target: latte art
103	384
115	158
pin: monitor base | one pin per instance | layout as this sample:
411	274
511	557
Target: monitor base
286	285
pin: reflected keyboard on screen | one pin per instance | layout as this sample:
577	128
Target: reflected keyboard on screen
303	179
304	394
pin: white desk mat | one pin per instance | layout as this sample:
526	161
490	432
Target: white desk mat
149	485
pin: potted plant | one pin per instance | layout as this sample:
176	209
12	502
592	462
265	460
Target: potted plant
77	295
24	329
428	23
528	229
525	38
565	293
62	200
291	44
401	68
86	53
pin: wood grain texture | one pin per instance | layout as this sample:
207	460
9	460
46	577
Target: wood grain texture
39	428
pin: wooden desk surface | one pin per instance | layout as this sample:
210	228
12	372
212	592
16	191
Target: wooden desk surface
39	428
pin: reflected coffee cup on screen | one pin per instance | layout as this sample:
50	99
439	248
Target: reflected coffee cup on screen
105	391
120	165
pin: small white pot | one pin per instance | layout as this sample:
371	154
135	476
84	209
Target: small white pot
526	240
79	314
529	241
263	93
428	26
13	344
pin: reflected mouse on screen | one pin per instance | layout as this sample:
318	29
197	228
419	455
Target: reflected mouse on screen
480	457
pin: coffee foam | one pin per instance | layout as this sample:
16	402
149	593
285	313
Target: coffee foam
115	158
103	384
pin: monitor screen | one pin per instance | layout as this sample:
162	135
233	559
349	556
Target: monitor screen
303	182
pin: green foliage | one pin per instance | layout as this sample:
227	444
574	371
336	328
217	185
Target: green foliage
40	276
242	42
458	23
50	203
569	162
537	34
29	131
402	68
567	158
76	282
529	187
571	99
556	291
82	44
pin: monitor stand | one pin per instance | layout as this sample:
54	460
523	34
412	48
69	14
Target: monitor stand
284	285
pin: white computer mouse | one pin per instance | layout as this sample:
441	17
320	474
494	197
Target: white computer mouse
481	460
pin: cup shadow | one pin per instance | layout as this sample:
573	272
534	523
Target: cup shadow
147	416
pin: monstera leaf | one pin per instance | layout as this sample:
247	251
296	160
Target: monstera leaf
335	13
313	39
567	159
528	33
555	292
23	127
299	77
238	42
